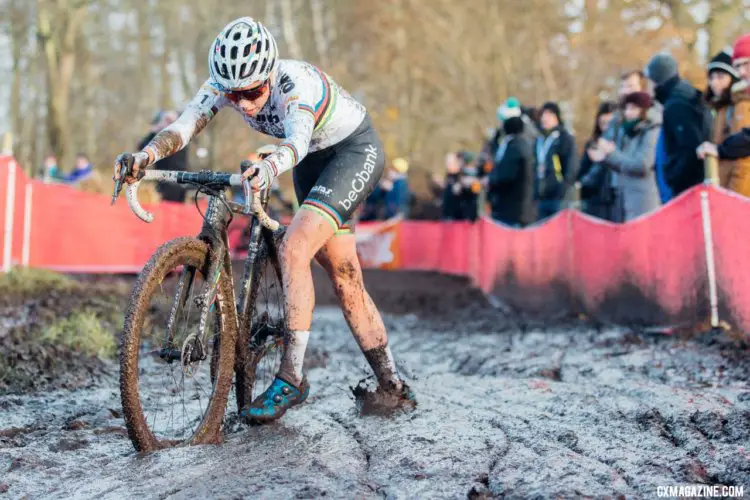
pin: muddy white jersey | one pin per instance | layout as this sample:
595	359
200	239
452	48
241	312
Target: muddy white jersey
306	109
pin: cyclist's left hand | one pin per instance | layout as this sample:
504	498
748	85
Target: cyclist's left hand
256	174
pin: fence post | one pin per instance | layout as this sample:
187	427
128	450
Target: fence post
27	226
10	203
708	242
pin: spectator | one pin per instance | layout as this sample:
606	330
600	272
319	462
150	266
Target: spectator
467	187
83	170
451	208
737	145
391	196
731	105
510	183
395	185
50	171
595	180
556	162
177	161
511	108
634	159
630	81
686	123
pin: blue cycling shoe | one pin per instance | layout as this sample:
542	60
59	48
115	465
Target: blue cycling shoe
275	401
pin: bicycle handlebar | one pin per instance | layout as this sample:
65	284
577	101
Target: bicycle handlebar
253	205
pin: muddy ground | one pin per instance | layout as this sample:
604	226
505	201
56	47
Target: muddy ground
507	408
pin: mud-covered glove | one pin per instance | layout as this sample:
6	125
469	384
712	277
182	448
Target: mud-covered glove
260	174
132	165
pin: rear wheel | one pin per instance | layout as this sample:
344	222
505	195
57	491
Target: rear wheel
174	387
262	326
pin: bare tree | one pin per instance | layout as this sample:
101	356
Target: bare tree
58	24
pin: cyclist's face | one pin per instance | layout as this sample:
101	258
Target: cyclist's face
251	100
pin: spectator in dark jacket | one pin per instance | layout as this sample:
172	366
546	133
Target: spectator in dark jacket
510	183
557	162
449	202
595	180
178	161
467	187
686	123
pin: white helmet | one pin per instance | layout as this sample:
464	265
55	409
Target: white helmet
243	53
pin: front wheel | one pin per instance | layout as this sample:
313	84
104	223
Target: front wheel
174	383
263	325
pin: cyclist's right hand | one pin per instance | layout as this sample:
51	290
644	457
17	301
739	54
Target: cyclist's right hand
131	164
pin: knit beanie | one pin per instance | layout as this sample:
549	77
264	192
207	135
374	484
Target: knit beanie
661	68
511	108
723	62
641	99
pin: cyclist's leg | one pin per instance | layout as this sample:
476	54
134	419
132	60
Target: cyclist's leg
307	233
339	258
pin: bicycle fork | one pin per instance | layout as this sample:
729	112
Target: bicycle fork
194	347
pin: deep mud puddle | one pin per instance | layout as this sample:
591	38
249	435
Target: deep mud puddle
555	412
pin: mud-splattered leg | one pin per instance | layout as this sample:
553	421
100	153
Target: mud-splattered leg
339	258
305	236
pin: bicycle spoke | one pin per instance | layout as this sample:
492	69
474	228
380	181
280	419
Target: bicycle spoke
177	399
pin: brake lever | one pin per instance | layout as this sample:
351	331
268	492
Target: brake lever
126	168
244	165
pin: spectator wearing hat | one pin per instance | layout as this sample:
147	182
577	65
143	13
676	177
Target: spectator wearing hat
179	161
686	123
510	183
737	145
511	108
729	98
633	159
556	162
391	197
395	186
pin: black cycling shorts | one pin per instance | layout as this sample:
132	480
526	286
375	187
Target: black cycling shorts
336	180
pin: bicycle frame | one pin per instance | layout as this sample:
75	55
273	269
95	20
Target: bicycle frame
214	233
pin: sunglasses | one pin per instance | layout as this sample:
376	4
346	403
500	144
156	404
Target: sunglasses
252	94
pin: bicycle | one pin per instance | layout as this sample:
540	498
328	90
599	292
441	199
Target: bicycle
243	337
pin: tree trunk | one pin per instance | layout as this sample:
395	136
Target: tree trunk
288	29
58	46
319	32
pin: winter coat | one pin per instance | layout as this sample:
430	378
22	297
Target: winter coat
633	162
450	202
510	183
397	198
597	193
736	146
686	125
728	120
556	164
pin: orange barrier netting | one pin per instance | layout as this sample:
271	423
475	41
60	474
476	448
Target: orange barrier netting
682	264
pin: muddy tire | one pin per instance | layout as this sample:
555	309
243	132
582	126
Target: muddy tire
262	326
186	252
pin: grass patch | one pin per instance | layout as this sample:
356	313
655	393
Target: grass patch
82	332
26	281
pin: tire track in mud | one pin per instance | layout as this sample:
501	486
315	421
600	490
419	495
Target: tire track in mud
559	411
